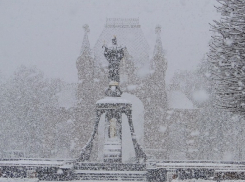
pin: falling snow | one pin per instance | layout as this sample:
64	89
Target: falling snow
121	120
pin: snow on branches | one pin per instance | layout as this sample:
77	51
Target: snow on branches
227	55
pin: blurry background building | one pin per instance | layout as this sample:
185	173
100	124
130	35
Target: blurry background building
160	128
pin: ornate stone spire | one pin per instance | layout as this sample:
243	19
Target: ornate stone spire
158	50
85	45
158	62
85	60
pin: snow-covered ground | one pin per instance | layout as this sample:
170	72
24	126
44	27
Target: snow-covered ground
36	180
84	181
18	180
88	181
176	180
202	180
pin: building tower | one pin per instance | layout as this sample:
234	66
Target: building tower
156	102
86	94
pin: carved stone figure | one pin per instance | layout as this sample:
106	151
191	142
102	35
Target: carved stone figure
114	55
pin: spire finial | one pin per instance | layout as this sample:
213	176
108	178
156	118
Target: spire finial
158	50
158	29
85	44
86	28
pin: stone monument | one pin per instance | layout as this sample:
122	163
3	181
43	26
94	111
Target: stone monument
113	106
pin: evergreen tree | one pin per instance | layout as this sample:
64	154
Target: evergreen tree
227	54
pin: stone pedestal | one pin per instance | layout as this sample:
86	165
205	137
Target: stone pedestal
113	107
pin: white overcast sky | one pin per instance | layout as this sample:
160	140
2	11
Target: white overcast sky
49	33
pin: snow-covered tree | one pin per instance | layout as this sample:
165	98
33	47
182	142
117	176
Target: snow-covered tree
29	111
227	54
218	138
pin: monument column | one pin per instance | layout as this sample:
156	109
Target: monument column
113	106
113	116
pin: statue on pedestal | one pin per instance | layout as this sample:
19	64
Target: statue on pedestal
113	106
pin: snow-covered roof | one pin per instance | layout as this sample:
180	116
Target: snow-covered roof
178	100
112	100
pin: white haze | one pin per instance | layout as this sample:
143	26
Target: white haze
49	33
